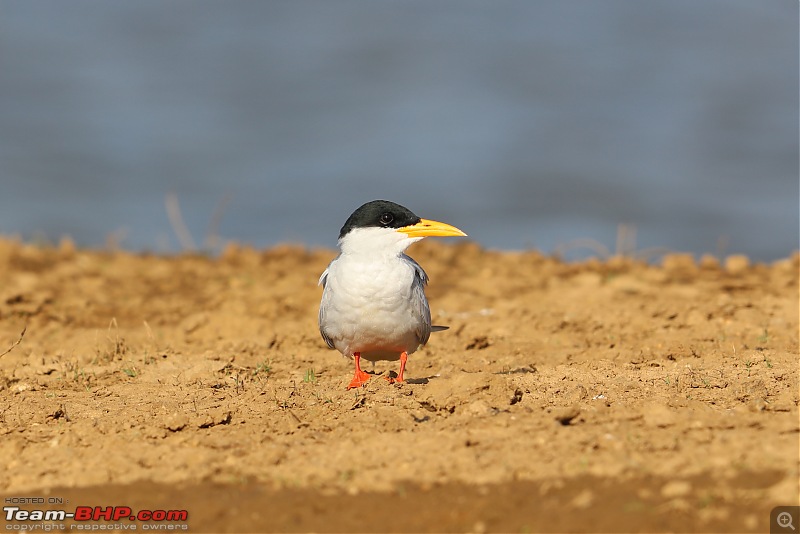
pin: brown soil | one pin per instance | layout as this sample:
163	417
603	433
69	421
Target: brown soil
596	396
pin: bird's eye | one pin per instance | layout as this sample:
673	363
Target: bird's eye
386	219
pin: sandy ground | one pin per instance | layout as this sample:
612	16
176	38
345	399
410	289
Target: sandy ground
593	396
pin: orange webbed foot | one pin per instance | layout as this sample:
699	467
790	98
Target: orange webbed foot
360	378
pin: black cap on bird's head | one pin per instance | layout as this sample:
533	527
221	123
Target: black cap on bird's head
379	214
385	214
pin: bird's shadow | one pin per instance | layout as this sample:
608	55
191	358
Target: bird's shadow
392	374
423	380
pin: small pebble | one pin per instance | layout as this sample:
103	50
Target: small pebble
576	394
658	415
709	262
565	414
676	488
584	499
757	405
176	422
679	265
479	527
737	264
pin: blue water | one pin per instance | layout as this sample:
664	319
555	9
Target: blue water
528	124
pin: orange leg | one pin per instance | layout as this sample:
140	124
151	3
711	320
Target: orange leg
403	360
360	378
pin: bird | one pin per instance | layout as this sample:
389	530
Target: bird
373	303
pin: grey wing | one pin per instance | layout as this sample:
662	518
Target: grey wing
322	305
420	308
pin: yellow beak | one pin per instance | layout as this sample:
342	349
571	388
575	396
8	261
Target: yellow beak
427	228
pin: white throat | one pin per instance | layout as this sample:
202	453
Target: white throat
376	242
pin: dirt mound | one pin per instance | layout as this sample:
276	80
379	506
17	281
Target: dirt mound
608	395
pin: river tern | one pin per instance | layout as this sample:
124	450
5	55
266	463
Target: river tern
373	300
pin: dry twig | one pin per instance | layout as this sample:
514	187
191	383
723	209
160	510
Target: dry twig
17	342
177	222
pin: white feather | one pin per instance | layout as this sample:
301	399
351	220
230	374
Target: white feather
373	300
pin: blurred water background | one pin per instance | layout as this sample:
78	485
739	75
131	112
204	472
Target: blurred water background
528	124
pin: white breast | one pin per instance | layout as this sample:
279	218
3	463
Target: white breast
370	305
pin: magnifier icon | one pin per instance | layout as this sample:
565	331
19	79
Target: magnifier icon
784	520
